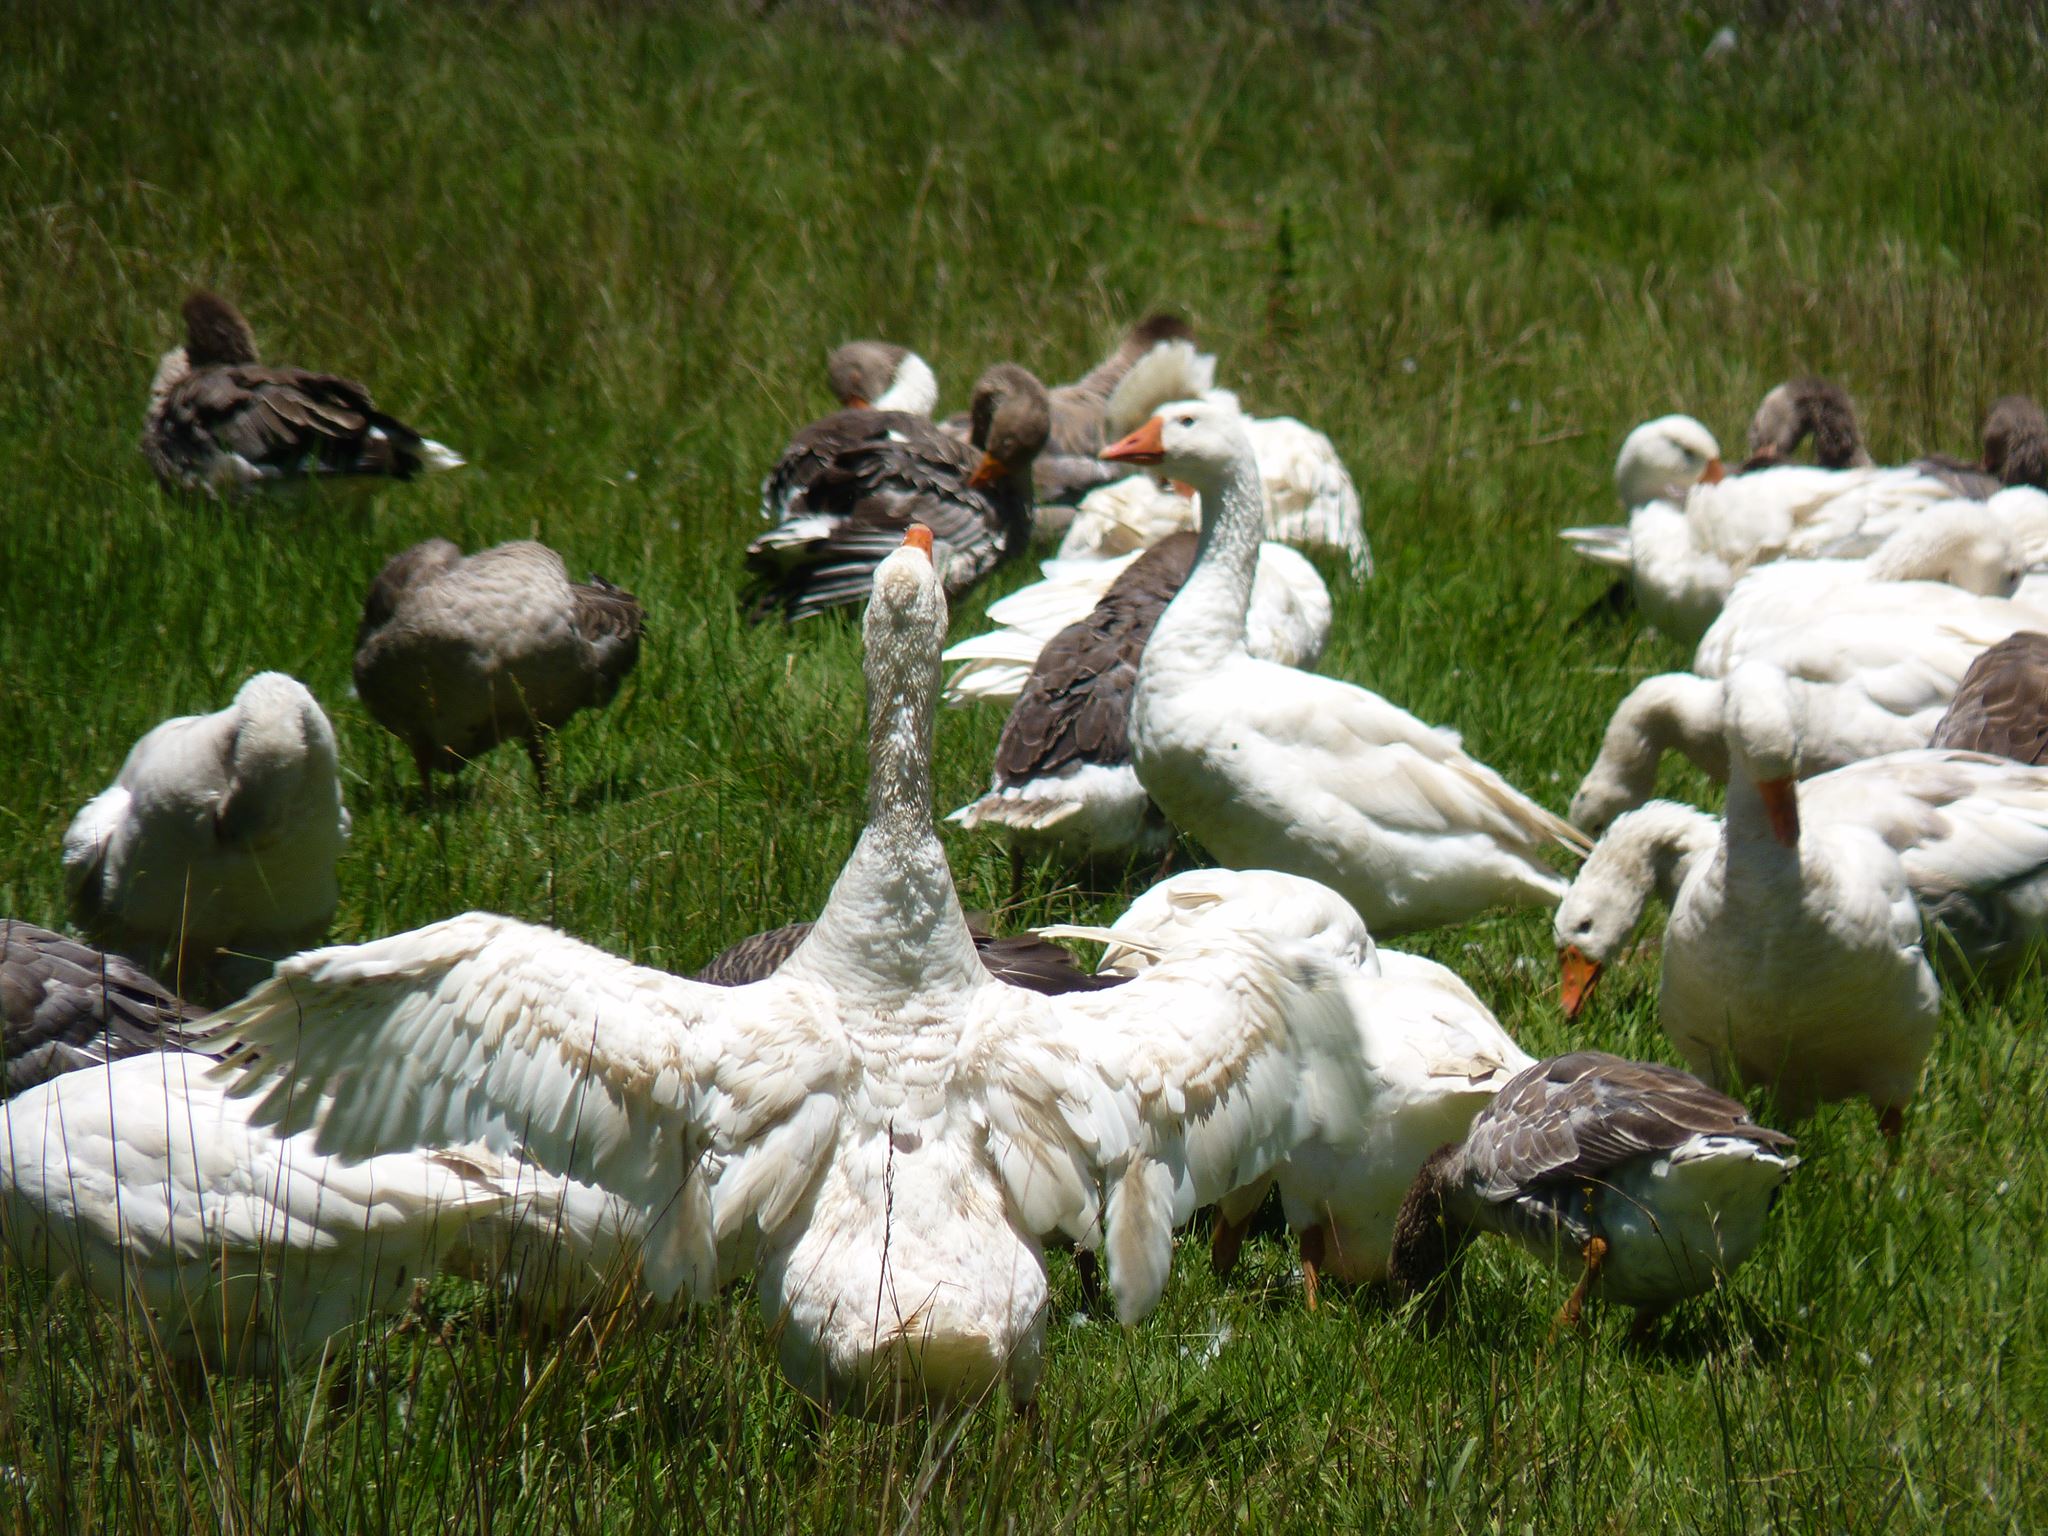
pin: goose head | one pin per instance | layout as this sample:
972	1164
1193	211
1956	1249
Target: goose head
1761	719
1647	852
1805	406
1962	543
881	375
215	332
1663	459
279	757
1012	416
2016	442
1198	442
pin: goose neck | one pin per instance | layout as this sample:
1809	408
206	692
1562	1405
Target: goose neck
1206	619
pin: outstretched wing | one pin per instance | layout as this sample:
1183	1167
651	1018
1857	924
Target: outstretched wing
708	1109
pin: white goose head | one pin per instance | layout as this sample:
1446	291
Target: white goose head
1663	459
1199	442
1647	852
279	753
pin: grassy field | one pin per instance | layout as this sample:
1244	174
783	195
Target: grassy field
602	249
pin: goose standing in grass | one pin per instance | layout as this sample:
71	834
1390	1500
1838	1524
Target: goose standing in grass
221	421
1434	1057
65	1006
2001	708
890	471
880	1128
455	653
1271	768
1637	1181
1648	851
220	832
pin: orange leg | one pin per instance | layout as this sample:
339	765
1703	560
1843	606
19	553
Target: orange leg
1313	1241
1225	1242
1572	1316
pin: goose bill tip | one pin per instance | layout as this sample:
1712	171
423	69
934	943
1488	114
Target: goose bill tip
919	537
1147	445
1578	971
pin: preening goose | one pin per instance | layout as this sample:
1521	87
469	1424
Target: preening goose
1638	1181
1063	769
65	1006
1434	1056
220	421
1802	408
880	1127
2001	708
220	832
1271	768
455	653
885	392
862	486
1288	621
1023	959
881	376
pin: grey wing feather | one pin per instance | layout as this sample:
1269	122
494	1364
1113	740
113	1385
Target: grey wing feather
2001	706
66	1005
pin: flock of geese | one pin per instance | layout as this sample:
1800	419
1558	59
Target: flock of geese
886	1113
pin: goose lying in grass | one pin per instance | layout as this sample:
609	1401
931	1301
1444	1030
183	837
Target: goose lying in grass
220	421
1638	1181
65	1006
220	832
1063	770
881	1129
876	474
1271	768
2001	708
1288	621
456	653
1434	1057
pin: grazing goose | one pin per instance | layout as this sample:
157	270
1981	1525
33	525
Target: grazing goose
2001	708
1434	1057
1647	852
146	1181
220	421
220	832
1022	960
65	1006
880	376
1288	621
1639	1181
888	471
456	654
1271	768
880	1127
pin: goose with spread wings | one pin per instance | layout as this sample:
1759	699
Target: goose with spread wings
879	1129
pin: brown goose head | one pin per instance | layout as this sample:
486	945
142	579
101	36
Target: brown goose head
1011	418
1808	405
861	371
2016	442
215	332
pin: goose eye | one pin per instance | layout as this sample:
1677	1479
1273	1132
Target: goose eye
1187	421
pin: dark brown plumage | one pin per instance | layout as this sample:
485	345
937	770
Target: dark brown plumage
456	654
1807	406
2016	442
2001	705
66	1005
220	421
1024	960
857	480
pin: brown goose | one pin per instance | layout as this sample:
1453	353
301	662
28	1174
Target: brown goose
455	654
881	376
220	421
2016	442
65	1005
863	482
1638	1180
1023	960
1798	408
2001	705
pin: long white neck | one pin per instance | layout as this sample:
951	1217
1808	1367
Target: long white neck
1756	863
1674	711
892	927
1204	624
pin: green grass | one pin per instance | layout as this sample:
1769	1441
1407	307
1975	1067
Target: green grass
602	249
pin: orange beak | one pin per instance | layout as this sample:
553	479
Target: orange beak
987	472
1147	445
1714	473
1577	971
1781	804
858	403
917	536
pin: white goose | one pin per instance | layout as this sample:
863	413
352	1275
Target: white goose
1434	1057
1273	768
1647	852
221	831
880	1126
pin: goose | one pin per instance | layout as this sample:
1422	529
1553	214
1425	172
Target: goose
65	1006
1271	768
881	376
2001	706
1310	499
1127	517
1801	408
1288	622
455	653
869	485
1648	851
1434	1054
2016	442
1023	960
1636	1180
880	1128
146	1180
221	831
220	421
